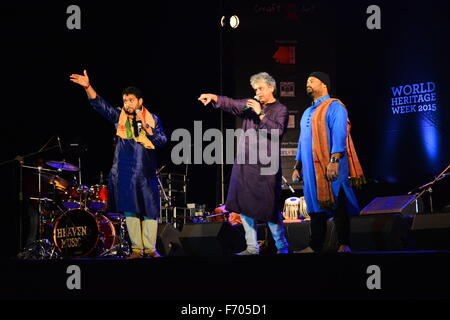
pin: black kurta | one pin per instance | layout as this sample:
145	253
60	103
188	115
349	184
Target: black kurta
250	192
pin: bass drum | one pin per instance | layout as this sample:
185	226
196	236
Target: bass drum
79	233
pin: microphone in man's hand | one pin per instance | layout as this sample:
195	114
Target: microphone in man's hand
248	107
139	122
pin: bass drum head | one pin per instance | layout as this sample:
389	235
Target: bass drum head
79	233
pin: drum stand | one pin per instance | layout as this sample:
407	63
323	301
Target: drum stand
122	248
20	159
41	248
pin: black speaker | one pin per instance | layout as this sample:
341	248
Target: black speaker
388	232
298	235
211	239
431	231
168	240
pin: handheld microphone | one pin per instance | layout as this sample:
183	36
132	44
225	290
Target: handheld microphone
248	107
285	181
139	122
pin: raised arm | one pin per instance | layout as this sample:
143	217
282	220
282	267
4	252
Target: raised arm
83	80
98	103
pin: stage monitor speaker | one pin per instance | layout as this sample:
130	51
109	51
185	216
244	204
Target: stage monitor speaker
404	205
298	235
431	231
387	232
168	241
211	239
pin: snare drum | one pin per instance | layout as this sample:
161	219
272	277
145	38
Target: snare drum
98	197
79	233
75	196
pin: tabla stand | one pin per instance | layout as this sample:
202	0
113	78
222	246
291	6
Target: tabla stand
428	187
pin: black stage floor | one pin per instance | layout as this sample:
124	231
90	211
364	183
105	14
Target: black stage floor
362	276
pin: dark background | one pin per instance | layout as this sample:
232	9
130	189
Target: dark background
176	50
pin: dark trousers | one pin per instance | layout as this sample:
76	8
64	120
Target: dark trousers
341	221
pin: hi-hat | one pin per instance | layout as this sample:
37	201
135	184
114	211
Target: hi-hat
62	165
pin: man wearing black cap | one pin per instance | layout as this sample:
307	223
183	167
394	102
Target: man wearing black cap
327	157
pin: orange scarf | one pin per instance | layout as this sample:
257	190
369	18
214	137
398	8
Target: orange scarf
142	138
321	156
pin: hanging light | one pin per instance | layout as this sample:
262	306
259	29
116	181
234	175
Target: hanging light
234	21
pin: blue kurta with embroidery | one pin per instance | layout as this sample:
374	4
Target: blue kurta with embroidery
132	186
250	192
336	119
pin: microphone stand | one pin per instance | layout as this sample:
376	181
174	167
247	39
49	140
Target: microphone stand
428	187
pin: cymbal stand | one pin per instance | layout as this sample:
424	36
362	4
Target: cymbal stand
20	159
41	248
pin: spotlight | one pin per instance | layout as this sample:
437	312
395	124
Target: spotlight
222	21
234	22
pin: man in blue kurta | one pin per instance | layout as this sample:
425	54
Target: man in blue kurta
255	186
133	186
324	139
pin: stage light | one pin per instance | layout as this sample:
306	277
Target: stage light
234	22
222	21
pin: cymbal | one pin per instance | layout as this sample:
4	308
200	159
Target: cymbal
57	181
62	165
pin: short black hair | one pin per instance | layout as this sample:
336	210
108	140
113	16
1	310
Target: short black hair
132	90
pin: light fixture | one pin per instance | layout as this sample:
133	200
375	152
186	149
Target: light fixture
234	22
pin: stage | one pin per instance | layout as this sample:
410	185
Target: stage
394	257
362	276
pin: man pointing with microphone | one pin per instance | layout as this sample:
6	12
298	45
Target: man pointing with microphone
254	195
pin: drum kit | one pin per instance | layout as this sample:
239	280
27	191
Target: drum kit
73	219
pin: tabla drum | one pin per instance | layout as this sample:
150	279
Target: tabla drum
75	196
303	210
98	197
295	208
79	233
